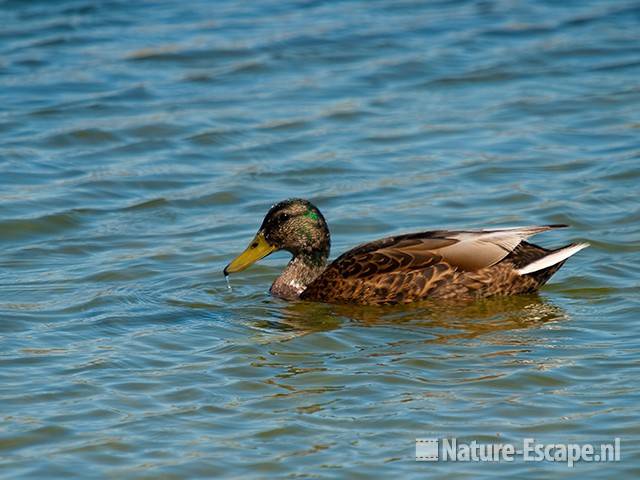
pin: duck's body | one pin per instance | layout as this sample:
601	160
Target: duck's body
442	264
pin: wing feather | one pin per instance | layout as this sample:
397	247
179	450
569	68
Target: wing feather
482	248
404	259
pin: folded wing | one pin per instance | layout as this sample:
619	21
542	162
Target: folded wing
468	250
409	267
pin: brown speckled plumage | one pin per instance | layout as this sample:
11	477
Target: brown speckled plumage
395	275
407	268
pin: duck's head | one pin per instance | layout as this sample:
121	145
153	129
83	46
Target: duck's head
294	225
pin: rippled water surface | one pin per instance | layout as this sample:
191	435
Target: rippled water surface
141	144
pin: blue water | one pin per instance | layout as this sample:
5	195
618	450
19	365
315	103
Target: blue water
141	144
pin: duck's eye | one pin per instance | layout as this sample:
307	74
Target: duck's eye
284	217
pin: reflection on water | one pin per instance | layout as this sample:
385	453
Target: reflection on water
444	320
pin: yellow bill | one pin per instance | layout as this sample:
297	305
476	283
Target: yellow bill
257	249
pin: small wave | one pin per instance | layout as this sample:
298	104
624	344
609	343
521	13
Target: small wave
47	225
216	136
149	204
191	57
89	136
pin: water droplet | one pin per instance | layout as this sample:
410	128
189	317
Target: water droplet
226	277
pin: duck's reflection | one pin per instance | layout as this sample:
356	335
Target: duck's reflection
445	320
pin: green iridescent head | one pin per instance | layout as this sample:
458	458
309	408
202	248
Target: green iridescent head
294	225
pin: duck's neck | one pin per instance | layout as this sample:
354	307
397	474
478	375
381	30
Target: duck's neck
300	272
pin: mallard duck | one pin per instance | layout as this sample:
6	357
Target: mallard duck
439	264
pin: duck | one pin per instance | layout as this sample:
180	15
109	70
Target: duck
400	269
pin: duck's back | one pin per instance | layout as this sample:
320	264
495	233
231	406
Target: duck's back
438	264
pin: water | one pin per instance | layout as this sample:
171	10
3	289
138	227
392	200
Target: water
141	144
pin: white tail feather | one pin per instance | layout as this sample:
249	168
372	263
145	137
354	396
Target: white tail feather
552	259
